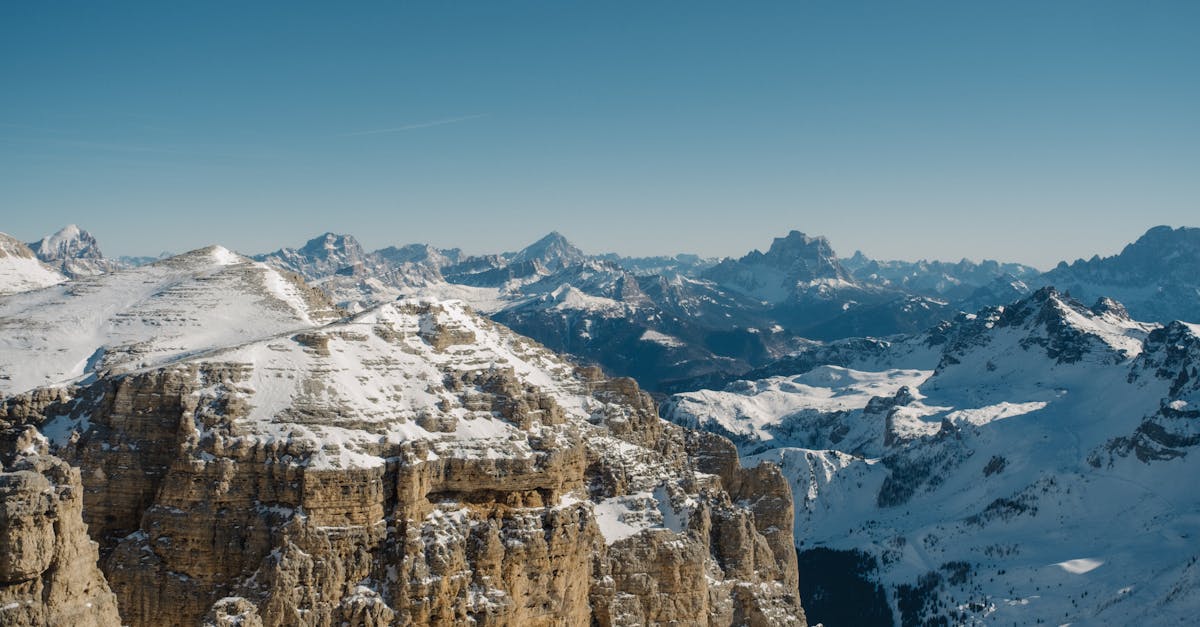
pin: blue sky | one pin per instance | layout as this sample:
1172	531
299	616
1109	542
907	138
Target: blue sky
1027	131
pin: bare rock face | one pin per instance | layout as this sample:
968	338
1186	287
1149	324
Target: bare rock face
48	571
414	465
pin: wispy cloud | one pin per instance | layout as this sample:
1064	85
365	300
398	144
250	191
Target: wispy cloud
413	127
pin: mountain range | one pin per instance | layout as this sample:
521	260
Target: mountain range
208	440
327	434
677	323
1016	465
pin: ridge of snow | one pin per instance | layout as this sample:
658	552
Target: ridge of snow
144	316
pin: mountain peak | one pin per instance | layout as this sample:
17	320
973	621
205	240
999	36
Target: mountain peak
69	242
808	257
324	244
553	251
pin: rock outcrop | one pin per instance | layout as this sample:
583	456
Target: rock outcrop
416	464
48	572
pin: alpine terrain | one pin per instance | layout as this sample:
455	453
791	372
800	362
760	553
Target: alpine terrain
208	440
1018	465
330	435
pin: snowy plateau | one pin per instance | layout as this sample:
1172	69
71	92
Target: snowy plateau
328	435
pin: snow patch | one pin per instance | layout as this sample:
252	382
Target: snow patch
1080	566
650	335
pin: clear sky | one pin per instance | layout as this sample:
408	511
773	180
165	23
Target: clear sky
1025	131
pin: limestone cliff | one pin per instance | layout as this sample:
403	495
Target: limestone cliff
416	464
48	573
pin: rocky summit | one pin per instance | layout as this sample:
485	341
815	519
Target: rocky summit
414	463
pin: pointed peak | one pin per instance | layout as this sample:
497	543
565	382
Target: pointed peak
552	250
1108	306
216	252
69	242
553	237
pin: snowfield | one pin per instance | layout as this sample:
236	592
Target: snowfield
152	315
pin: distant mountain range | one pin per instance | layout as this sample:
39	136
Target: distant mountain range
966	443
683	322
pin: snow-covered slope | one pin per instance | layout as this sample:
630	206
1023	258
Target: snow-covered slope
374	382
180	306
20	269
1035	476
821	408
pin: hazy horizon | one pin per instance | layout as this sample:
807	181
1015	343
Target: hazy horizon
1025	131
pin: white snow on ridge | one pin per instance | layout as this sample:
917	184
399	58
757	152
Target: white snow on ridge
359	387
754	408
1120	333
149	315
569	297
19	274
486	300
20	269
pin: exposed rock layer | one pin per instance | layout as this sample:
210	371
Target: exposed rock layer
484	480
48	572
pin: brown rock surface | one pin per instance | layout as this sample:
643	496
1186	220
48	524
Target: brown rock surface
48	571
414	465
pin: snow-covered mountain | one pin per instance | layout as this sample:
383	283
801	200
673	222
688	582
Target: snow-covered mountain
684	263
553	252
148	316
74	252
722	319
813	295
21	270
320	257
1030	474
1157	277
953	281
655	327
244	451
794	266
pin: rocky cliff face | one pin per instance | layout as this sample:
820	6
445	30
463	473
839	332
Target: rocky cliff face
416	464
48	573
